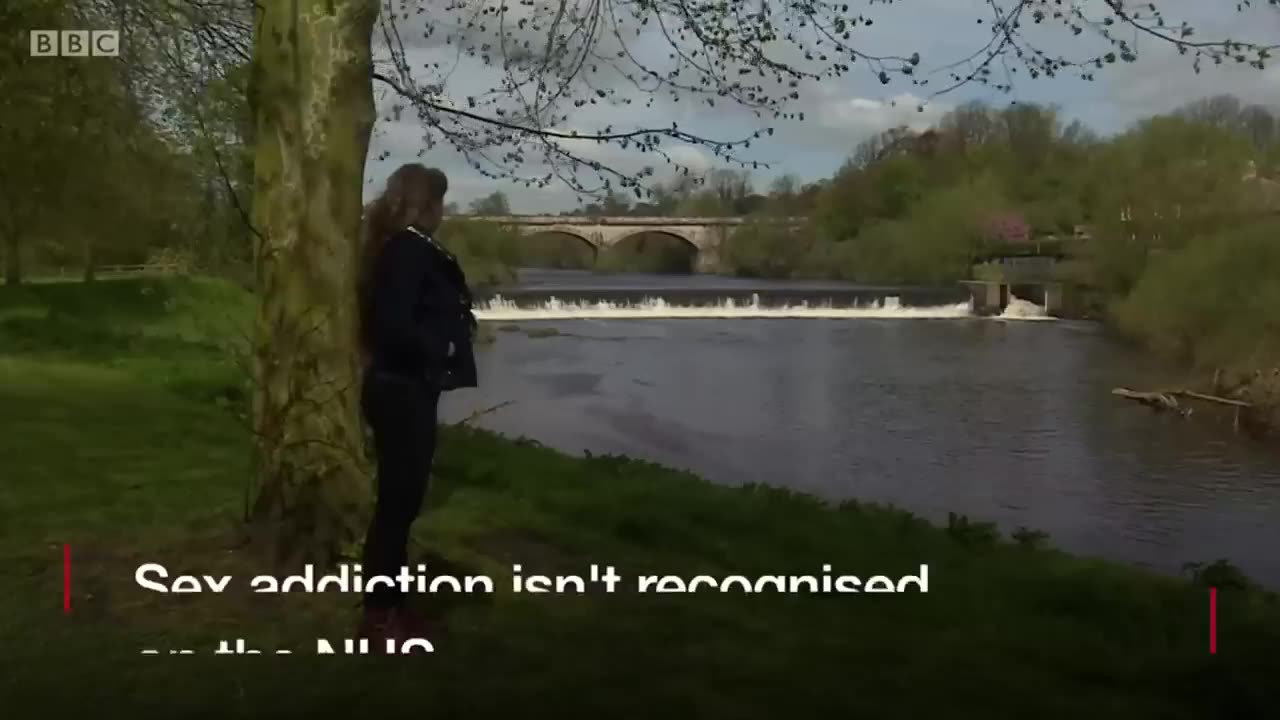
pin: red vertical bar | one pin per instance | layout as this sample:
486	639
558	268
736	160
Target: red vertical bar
66	578
1213	621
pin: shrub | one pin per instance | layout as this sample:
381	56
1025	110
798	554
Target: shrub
763	249
1212	302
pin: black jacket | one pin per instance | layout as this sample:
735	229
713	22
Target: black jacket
418	319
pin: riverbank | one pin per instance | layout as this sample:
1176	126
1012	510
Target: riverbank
1261	390
1243	396
121	407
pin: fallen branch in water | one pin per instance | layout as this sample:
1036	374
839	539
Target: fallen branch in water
1168	400
1156	400
1210	398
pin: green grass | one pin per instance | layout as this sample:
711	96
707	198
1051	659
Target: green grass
122	436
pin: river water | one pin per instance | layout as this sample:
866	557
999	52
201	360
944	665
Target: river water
879	394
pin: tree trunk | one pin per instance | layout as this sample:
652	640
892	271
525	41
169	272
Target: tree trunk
12	259
312	100
90	262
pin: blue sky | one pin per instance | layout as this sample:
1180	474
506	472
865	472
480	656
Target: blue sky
842	112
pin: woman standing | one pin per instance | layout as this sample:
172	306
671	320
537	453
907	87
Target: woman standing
416	329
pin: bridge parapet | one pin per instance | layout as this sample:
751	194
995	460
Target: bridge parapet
626	220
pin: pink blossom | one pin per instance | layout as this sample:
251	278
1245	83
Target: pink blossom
1008	228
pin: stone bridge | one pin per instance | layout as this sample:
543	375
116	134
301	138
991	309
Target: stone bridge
706	235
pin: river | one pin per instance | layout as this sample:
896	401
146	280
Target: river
879	394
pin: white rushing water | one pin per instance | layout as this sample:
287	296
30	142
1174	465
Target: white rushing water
501	309
1019	309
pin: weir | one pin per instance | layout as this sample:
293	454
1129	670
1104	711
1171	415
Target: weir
711	295
634	304
500	309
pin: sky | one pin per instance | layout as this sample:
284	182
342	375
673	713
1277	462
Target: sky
839	112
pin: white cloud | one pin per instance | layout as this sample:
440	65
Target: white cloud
856	118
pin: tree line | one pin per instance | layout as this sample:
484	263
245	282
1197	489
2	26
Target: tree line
923	207
719	192
119	160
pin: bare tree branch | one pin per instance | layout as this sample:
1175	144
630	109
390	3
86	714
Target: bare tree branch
554	58
551	60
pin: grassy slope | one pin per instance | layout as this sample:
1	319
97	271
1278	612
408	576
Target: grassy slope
118	406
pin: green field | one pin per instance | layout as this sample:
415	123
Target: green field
121	405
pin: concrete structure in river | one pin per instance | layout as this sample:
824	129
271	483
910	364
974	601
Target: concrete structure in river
991	297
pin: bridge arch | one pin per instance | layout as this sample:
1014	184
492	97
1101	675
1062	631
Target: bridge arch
560	247
631	233
651	249
543	231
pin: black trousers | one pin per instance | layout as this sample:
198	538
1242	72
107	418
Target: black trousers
401	411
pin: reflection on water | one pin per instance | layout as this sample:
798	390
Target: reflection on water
1005	421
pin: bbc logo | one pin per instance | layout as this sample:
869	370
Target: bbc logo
75	43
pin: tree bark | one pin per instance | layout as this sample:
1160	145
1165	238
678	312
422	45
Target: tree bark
312	100
12	259
90	259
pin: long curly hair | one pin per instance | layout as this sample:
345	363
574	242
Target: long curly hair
411	192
